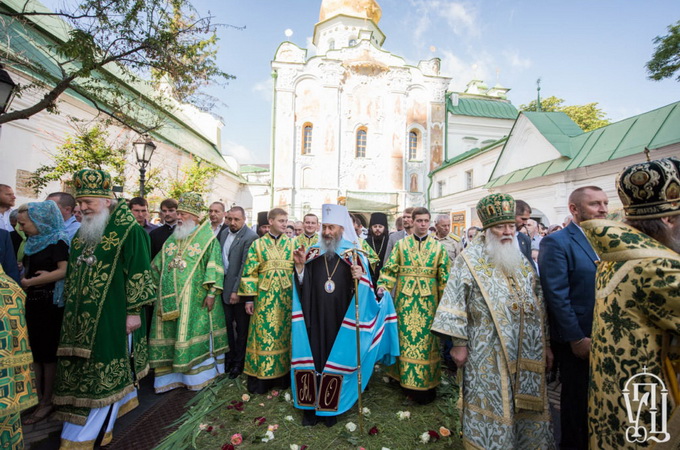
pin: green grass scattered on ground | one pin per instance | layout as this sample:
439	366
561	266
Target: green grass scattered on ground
214	417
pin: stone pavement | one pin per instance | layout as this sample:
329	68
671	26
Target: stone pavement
140	429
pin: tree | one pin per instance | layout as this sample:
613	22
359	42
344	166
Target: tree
111	43
588	117
666	57
196	177
91	147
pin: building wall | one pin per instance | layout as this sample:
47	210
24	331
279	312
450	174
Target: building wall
339	93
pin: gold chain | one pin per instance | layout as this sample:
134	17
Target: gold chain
336	267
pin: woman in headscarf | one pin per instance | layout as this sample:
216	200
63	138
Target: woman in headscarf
45	261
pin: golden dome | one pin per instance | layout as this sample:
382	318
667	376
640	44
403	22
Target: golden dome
365	9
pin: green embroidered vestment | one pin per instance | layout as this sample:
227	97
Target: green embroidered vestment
268	276
104	283
181	327
420	271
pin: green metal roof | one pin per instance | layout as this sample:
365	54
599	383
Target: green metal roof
557	128
253	169
35	43
654	129
478	107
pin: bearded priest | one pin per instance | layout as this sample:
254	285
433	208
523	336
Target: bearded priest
324	365
188	332
493	309
102	350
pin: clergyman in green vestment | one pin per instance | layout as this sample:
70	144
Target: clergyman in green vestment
419	266
17	383
103	350
493	309
267	282
188	333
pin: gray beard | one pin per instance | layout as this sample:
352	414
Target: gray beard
184	230
329	246
505	256
92	227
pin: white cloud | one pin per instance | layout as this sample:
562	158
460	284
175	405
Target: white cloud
516	60
264	89
463	71
460	17
241	153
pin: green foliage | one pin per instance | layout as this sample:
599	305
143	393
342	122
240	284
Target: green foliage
197	177
87	148
665	60
589	117
112	43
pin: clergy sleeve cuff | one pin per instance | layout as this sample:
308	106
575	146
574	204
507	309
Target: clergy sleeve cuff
458	342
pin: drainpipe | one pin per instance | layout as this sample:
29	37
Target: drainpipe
272	159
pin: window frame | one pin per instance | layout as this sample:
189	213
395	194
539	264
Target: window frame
358	146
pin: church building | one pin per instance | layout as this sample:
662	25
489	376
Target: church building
354	123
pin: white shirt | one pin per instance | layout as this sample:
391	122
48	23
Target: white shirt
225	249
4	221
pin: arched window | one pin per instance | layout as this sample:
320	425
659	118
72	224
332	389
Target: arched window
307	139
331	45
307	181
361	143
352	42
413	186
412	145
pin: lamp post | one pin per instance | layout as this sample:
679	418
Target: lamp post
144	148
8	89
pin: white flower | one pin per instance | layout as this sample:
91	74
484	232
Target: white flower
203	426
294	447
245	397
384	448
268	436
425	437
351	427
288	418
366	411
286	396
403	415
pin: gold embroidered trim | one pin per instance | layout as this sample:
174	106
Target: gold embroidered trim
68	445
79	402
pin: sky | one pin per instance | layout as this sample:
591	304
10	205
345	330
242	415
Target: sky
583	51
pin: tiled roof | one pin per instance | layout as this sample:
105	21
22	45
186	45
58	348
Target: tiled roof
654	129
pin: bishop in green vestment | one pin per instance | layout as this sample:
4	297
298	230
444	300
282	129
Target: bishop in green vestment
17	382
188	332
267	282
103	350
419	267
634	351
493	309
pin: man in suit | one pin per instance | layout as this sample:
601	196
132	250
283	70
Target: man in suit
522	217
235	241
567	265
162	233
217	216
407	223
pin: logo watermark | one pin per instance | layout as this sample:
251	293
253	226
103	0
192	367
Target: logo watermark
646	392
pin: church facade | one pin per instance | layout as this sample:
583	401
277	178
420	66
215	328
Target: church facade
354	123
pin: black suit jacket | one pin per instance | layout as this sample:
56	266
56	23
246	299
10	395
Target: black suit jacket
238	251
567	264
158	237
525	247
8	258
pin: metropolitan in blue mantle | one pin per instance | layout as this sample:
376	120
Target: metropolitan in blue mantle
324	361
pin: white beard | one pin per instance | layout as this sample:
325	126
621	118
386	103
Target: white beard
503	252
183	230
92	227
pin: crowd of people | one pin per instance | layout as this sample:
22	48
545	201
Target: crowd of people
96	296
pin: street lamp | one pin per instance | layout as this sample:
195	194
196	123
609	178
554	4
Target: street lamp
144	148
8	89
